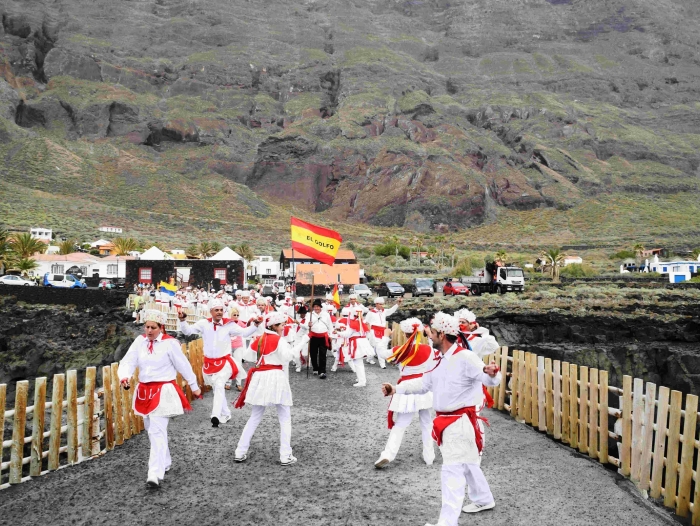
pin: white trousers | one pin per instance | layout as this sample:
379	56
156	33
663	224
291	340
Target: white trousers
455	478
284	414
378	353
359	368
159	459
220	407
401	422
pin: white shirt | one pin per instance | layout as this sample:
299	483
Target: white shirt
162	365
217	343
456	382
377	317
350	311
319	323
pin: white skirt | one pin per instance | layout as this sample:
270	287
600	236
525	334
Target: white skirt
459	443
169	404
411	403
269	388
221	377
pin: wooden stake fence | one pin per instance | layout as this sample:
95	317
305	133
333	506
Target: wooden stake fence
47	436
657	440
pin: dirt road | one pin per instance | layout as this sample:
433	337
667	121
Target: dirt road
338	432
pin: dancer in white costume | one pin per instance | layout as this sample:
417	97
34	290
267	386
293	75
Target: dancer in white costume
414	359
158	397
268	385
456	384
219	365
358	346
376	318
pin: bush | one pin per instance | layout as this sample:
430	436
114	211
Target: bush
624	254
577	270
389	249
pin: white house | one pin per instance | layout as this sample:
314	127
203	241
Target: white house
572	260
111	266
42	234
111	229
99	243
678	271
154	253
264	267
78	263
52	249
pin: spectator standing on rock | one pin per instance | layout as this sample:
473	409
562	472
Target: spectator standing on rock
376	318
414	359
267	384
219	365
456	384
158	397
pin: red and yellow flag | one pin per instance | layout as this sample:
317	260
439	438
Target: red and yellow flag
314	241
336	296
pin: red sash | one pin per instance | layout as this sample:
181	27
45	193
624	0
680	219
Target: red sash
489	399
323	335
378	331
240	401
353	346
390	413
443	420
148	396
214	365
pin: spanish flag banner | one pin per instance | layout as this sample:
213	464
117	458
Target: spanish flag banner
314	241
336	296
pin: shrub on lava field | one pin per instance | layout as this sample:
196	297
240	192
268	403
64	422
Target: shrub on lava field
577	270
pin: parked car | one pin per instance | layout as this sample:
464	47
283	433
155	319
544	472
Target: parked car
390	289
422	287
106	284
67	281
15	280
454	288
362	290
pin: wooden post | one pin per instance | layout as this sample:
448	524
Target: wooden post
38	426
660	443
3	401
674	433
522	381
685	476
527	413
647	438
109	405
558	381
565	387
603	415
549	394
495	390
583	412
117	407
88	410
541	396
626	447
56	419
637	419
593	415
534	406
573	406
504	378
72	432
514	385
18	426
126	408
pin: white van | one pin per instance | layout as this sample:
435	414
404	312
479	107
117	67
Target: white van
67	281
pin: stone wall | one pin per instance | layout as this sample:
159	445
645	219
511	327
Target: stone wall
82	298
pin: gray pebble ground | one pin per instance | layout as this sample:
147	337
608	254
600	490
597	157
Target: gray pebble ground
337	433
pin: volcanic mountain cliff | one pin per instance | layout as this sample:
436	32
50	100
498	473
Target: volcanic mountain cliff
574	116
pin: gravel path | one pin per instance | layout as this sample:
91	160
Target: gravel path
337	433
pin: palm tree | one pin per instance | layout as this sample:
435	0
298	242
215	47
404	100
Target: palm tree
66	247
25	246
432	252
440	240
501	256
638	252
192	252
5	249
25	265
205	250
215	247
553	260
696	254
420	242
245	251
124	245
453	249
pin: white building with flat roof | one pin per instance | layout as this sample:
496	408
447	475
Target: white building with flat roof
110	229
42	234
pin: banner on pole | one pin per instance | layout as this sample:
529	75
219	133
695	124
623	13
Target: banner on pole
317	242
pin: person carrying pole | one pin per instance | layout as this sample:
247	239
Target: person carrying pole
219	365
456	384
376	318
319	329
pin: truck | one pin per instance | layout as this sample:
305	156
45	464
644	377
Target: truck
495	278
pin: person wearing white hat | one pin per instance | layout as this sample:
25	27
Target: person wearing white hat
376	318
267	385
477	339
352	309
219	365
158	397
286	306
414	359
357	346
456	384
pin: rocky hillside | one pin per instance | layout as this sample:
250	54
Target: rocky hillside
525	120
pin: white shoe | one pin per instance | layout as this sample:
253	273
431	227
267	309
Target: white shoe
291	459
152	482
224	419
371	362
334	369
476	508
358	384
383	461
242	458
299	369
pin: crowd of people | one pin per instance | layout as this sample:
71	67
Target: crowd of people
440	367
